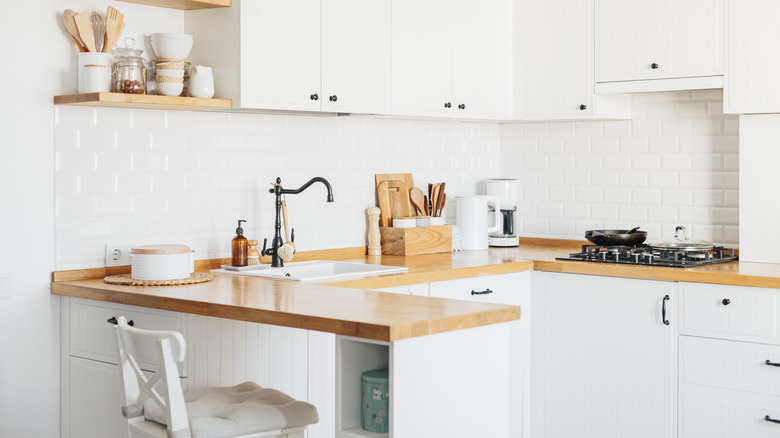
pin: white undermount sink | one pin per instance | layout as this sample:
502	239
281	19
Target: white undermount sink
315	270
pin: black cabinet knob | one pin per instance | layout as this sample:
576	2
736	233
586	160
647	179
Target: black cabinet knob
447	105
654	66
726	301
113	321
583	107
333	98
462	106
314	97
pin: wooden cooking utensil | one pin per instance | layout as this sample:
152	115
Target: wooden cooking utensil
435	199
427	208
440	198
443	203
114	28
69	20
418	199
85	31
383	202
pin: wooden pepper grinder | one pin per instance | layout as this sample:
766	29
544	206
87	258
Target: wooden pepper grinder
374	238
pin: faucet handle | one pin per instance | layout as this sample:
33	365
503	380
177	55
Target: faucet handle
265	243
292	235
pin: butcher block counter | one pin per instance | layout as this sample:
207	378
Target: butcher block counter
347	307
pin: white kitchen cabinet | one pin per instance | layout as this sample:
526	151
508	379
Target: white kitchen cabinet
513	289
750	314
451	58
752	66
299	55
603	363
729	361
658	39
90	396
557	64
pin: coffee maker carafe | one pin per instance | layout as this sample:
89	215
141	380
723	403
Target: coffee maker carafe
508	192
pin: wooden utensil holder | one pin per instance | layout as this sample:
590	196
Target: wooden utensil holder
416	241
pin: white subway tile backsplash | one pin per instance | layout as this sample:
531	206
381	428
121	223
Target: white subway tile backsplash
677	160
187	176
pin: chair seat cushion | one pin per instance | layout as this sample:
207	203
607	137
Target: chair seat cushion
236	410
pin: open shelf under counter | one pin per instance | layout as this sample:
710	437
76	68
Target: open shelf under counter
358	432
186	5
142	101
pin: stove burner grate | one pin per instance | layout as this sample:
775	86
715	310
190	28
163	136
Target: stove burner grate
648	256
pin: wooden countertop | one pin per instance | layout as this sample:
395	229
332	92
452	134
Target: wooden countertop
364	314
346	308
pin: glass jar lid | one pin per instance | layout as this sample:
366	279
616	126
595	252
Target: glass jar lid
129	56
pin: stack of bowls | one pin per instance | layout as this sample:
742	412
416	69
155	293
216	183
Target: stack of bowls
172	45
169	78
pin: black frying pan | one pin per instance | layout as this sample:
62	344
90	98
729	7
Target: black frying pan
616	237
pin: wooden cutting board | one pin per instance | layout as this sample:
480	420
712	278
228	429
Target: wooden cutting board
405	177
393	201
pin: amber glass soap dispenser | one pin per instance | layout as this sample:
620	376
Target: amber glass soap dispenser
240	247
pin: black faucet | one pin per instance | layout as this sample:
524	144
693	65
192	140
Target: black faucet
277	242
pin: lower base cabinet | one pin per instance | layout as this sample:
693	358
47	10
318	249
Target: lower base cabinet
603	362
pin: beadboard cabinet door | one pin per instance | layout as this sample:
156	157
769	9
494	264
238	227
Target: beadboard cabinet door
557	53
603	362
658	39
450	58
280	54
356	56
422	58
752	65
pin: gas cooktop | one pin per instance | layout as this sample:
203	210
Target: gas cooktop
649	256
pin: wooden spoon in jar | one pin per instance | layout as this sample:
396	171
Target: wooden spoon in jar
418	199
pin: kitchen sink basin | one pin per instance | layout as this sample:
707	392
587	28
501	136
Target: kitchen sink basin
315	270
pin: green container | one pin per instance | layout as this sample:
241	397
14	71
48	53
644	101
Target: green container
375	389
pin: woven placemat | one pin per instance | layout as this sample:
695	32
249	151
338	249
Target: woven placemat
125	279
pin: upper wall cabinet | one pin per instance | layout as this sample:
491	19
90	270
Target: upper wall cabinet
752	66
451	58
659	39
301	55
557	64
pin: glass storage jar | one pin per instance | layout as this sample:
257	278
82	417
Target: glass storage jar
129	73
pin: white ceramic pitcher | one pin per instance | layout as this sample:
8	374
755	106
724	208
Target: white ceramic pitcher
473	220
201	82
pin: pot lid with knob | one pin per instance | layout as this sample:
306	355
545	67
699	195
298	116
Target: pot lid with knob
682	243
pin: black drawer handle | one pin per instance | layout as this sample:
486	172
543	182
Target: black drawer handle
771	420
113	320
663	310
772	364
484	292
726	301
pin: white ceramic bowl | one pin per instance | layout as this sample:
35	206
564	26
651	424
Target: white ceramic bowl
178	73
169	88
171	46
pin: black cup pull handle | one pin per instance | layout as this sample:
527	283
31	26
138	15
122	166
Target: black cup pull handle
726	301
771	420
113	320
663	310
483	292
772	364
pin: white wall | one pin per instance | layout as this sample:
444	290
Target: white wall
39	63
676	162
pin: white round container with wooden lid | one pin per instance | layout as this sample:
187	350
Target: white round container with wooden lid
162	262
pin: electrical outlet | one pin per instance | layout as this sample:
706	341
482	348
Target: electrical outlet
118	255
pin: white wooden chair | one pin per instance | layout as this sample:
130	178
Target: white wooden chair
156	406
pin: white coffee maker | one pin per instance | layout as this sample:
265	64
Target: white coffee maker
508	192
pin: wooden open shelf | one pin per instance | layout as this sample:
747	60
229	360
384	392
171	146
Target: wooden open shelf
142	101
185	5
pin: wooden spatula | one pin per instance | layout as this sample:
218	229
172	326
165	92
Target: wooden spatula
69	20
85	31
383	202
114	27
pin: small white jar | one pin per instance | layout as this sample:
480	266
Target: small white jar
162	262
